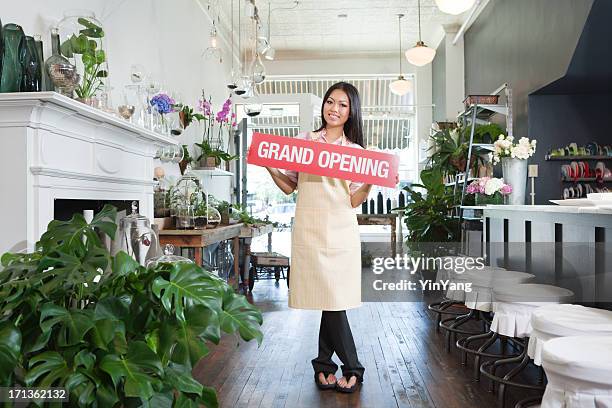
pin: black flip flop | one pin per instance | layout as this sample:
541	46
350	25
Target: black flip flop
349	390
322	386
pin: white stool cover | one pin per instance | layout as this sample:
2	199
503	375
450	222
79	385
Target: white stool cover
452	275
483	281
514	304
579	372
552	321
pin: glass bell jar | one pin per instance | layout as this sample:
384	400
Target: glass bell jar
136	237
82	44
187	196
167	258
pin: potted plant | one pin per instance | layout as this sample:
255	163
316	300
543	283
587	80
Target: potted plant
489	190
109	331
211	157
224	209
216	130
187	159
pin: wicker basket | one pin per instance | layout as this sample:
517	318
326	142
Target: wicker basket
481	100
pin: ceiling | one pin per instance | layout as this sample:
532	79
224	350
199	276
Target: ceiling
313	27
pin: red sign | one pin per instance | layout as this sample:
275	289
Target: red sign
324	159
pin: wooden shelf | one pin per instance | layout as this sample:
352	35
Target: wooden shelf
573	158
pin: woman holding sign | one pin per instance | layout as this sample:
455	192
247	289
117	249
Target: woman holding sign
325	242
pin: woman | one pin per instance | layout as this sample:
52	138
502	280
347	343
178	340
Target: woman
325	243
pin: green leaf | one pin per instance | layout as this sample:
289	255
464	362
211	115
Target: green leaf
239	315
185	401
160	400
49	365
66	48
209	398
138	370
113	308
74	324
188	284
100	56
10	351
92	33
102	74
105	221
181	379
89	60
107	331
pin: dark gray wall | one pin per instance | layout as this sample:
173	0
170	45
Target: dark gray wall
528	44
438	83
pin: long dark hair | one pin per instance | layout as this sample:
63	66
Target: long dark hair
353	128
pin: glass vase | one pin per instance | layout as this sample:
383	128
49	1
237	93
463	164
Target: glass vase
82	43
1	47
62	74
31	74
11	69
483	199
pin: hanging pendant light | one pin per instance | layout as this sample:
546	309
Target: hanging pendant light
400	86
253	106
258	70
213	51
231	84
455	6
269	53
420	54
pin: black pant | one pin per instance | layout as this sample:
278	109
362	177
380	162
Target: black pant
335	336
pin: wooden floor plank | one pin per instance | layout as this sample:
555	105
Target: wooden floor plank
405	362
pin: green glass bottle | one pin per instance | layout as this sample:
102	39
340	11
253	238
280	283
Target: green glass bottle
11	69
31	76
46	84
1	47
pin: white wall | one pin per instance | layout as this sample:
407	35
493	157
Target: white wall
166	37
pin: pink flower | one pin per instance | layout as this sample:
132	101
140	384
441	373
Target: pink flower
506	189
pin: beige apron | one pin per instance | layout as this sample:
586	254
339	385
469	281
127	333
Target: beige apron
325	246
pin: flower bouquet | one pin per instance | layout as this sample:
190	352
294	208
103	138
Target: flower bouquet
163	104
505	147
489	190
513	158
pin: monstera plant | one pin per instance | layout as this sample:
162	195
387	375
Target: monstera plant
109	331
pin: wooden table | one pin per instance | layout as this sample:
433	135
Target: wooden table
382	219
247	234
199	239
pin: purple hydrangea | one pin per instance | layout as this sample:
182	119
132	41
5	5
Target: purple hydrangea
163	103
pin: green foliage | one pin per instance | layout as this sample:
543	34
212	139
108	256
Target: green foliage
84	44
110	331
484	133
208	151
187	115
244	217
427	215
186	156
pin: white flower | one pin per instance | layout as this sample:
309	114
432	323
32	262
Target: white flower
493	185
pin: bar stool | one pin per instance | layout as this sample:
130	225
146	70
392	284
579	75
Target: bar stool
549	322
452	298
479	299
513	308
579	372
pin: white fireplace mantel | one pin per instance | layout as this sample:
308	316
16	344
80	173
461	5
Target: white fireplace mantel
53	147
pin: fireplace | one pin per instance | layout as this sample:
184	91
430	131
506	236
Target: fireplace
61	157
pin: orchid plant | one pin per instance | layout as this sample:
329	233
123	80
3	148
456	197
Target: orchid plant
505	147
217	126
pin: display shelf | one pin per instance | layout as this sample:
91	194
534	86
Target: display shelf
212	172
569	179
484	111
573	158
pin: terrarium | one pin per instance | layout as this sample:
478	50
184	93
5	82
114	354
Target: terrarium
82	43
136	237
187	197
167	258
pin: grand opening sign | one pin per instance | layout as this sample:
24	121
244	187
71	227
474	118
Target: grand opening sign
324	159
